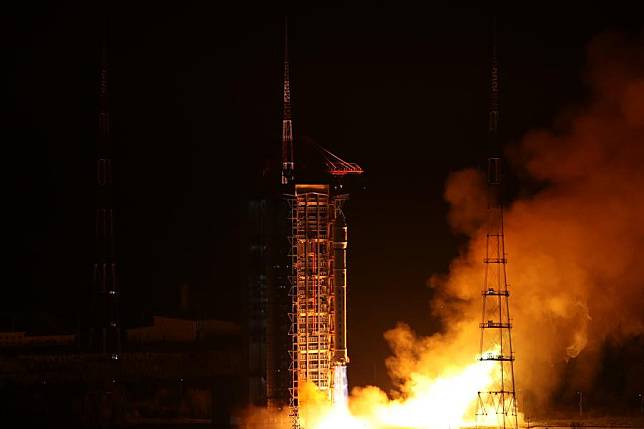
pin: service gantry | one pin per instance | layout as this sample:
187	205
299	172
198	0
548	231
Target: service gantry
318	274
498	405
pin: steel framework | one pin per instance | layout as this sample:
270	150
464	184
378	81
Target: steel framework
336	166
312	295
317	271
496	324
318	290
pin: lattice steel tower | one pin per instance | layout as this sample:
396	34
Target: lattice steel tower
106	335
498	404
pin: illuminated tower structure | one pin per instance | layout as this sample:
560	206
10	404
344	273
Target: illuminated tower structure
106	335
498	405
318	274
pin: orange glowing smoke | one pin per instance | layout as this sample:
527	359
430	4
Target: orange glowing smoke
575	246
440	397
447	400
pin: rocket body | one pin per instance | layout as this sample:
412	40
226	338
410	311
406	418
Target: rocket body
340	274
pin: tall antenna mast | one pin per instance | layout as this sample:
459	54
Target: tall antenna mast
106	337
498	406
288	160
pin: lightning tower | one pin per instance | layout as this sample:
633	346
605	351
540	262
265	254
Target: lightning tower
105	337
288	160
497	406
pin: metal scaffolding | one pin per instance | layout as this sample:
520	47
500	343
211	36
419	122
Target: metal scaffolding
317	270
318	299
312	295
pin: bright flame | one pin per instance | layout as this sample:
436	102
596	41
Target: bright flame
340	385
446	401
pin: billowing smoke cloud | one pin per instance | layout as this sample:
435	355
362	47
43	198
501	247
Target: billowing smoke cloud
575	247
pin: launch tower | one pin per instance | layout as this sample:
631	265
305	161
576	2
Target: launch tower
317	270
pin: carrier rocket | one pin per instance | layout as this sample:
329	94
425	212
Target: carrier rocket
341	356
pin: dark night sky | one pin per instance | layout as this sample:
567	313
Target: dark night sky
195	105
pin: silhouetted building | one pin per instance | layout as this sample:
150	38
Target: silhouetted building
177	371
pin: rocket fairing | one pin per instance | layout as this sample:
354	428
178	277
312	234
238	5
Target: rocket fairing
340	274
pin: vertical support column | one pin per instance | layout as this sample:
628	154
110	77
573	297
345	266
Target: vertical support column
294	316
